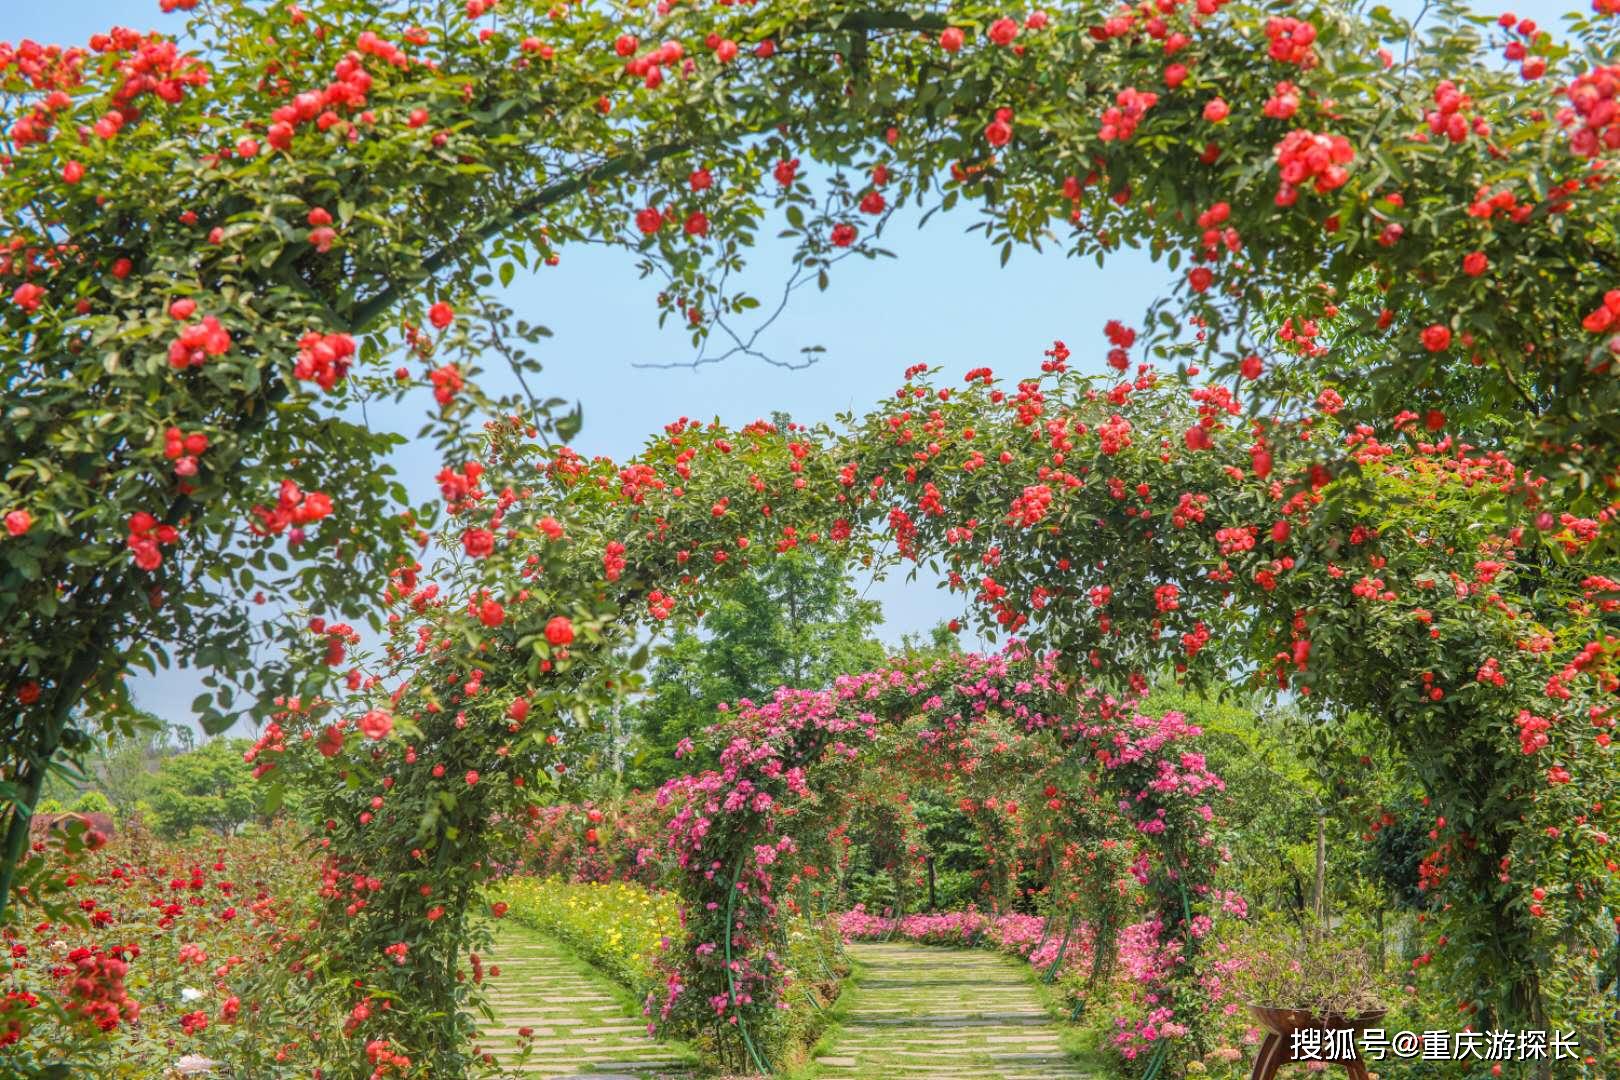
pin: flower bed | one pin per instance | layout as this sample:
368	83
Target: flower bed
1023	936
618	927
163	956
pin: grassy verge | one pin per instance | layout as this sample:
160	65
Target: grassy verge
1081	1041
619	927
832	1018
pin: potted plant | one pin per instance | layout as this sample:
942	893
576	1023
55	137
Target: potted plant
1300	982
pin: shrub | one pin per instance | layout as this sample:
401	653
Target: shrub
1283	968
158	952
92	802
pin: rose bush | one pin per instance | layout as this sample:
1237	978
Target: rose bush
163	953
616	840
742	833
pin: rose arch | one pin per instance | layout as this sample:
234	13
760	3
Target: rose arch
745	835
1087	522
1416	530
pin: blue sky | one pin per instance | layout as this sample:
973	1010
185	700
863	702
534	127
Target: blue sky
944	301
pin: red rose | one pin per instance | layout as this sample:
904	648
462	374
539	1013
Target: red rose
19	522
559	631
376	724
1437	338
28	296
331	743
951	39
478	542
441	315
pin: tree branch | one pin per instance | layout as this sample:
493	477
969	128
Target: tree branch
366	313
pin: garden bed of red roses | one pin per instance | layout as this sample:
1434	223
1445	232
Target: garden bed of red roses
160	960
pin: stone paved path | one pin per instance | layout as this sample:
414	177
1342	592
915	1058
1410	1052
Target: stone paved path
945	1013
580	1028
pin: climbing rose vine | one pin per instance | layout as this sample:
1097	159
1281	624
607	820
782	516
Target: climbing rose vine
1399	255
745	835
1072	512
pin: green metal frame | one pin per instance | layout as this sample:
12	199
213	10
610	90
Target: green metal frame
1063	947
731	977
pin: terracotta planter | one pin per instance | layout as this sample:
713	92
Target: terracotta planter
1280	1025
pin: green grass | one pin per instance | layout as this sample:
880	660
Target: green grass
1080	1040
849	996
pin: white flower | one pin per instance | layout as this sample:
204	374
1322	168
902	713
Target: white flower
188	995
194	1064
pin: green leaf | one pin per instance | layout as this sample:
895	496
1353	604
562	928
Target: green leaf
272	800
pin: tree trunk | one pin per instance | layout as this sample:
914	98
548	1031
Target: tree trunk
32	768
1319	887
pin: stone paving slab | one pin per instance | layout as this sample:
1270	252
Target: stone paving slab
946	1014
580	1031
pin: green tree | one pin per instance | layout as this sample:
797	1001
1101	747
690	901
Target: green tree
126	763
1272	796
208	787
939	644
1322	812
797	622
955	853
92	802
